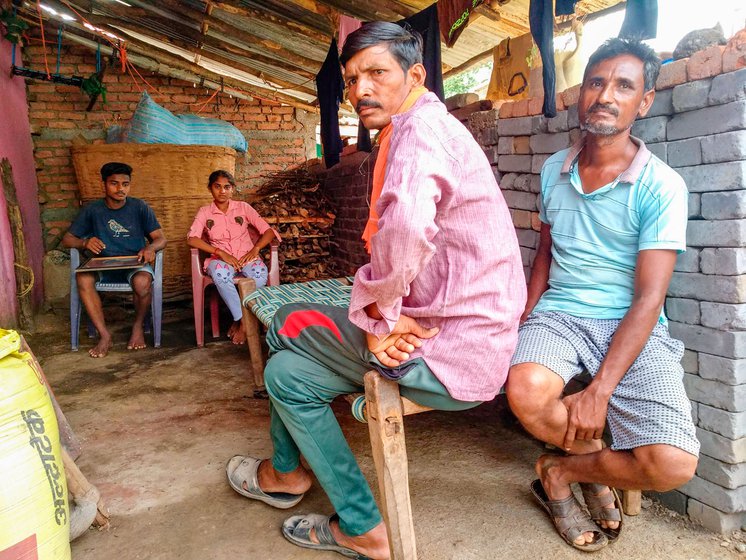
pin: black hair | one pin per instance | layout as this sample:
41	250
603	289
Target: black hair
405	45
115	168
215	175
616	47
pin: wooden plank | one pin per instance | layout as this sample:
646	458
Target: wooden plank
386	426
79	487
24	274
246	287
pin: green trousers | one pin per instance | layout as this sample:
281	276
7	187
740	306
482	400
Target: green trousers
316	354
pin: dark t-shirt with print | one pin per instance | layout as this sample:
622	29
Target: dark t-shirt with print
123	231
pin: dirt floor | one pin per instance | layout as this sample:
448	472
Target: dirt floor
158	426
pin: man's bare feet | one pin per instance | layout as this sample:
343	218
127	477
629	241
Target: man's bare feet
294	482
102	348
548	467
137	339
232	328
239	335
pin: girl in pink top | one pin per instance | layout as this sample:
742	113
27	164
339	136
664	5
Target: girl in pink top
223	229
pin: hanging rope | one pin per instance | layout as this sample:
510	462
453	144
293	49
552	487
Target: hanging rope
27	290
59	49
98	57
202	107
43	40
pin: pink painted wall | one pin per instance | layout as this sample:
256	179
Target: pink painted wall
16	146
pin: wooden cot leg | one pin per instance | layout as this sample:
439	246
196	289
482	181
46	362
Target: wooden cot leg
631	501
79	487
247	286
386	425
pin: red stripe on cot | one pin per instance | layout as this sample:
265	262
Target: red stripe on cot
299	320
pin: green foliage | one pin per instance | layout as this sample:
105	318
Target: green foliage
14	26
468	81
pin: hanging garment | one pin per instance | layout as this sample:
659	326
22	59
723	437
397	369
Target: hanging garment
541	20
426	24
564	7
330	89
510	69
347	25
640	20
453	17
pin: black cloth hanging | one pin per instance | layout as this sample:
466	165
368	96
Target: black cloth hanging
541	21
330	89
640	20
564	7
426	24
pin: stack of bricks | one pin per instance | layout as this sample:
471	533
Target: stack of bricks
697	125
278	136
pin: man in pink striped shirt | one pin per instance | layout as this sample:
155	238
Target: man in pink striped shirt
436	309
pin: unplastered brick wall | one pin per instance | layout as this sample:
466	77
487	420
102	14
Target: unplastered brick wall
348	186
698	126
278	136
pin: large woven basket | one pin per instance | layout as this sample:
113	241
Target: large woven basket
172	179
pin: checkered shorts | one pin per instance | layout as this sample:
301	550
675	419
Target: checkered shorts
649	406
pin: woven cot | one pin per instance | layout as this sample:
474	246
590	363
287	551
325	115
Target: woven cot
172	179
265	302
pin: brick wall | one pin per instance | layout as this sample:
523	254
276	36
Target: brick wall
698	126
278	136
348	186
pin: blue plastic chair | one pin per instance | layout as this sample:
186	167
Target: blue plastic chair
156	305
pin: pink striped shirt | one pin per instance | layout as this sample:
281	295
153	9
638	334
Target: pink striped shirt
445	254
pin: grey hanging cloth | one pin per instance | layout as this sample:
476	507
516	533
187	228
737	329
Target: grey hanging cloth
330	89
640	20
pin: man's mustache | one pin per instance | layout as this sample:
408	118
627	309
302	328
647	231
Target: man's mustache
596	107
367	103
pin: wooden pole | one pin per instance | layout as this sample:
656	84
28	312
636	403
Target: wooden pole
24	274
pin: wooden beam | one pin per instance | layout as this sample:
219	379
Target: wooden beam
171	65
115	26
236	7
273	49
203	30
211	56
473	61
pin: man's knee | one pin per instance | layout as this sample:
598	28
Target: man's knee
666	467
86	281
531	387
279	377
141	283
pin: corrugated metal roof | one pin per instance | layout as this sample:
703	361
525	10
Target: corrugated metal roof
278	42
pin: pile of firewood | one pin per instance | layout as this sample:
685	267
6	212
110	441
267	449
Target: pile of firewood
293	203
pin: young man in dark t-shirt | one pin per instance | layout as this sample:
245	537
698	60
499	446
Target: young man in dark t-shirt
116	226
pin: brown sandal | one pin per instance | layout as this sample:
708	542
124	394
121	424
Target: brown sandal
596	501
569	519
